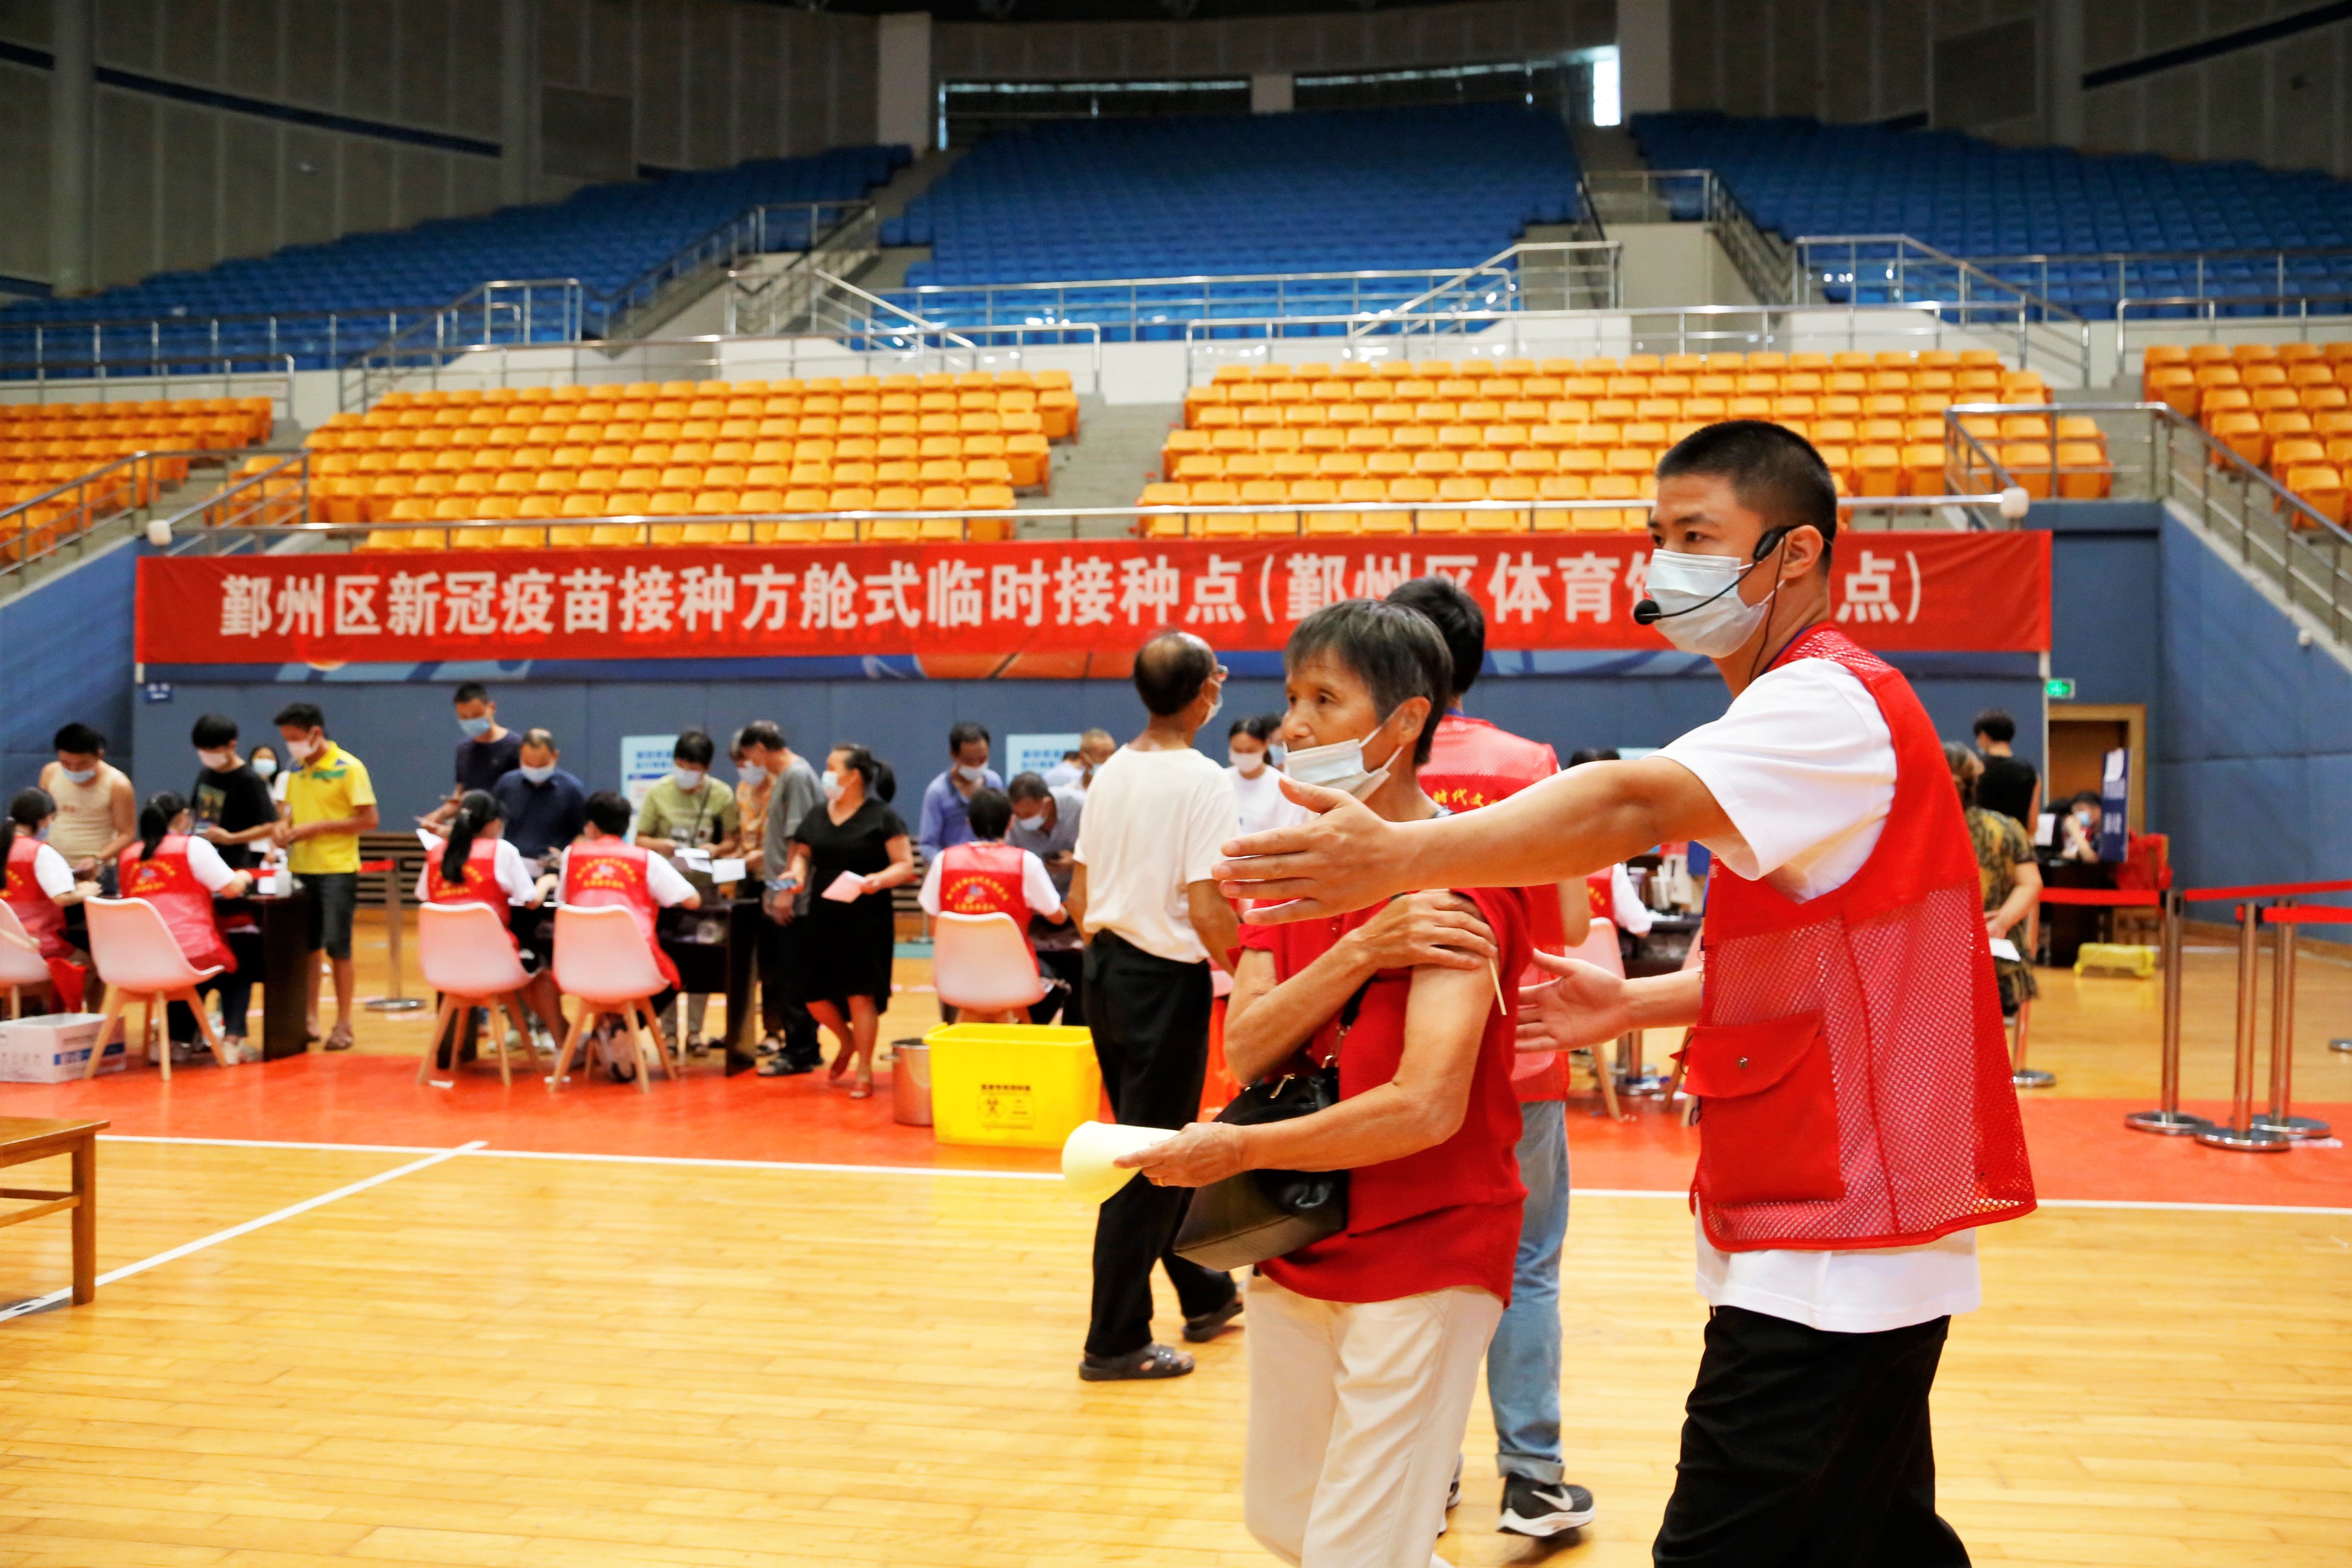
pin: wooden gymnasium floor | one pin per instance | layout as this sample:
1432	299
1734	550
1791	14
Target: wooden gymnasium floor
749	1321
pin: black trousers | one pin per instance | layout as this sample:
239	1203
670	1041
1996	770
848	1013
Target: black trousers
1067	965
1806	1449
1150	1021
782	1012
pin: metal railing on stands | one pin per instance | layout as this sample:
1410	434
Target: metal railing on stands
518	311
890	347
272	507
1695	196
800	226
1896	269
94	349
776	301
1589	276
170	377
2203	315
2276	1127
39	529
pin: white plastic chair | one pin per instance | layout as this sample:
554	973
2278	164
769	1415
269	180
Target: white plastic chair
602	958
469	958
134	952
982	963
21	964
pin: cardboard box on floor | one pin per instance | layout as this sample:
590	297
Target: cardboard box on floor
55	1048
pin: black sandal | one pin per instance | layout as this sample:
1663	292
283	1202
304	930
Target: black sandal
1153	1361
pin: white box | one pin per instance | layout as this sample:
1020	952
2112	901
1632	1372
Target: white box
55	1048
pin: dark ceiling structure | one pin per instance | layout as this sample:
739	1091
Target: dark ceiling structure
1102	10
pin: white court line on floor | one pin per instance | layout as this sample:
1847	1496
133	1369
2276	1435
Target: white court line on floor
38	1303
481	1151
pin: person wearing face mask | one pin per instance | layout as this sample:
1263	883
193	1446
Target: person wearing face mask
545	805
945	818
600	869
687	812
1835	1205
40	888
97	811
181	875
232	811
1253	769
847	943
330	801
1045	821
1155	926
788	1044
488	753
1364	1346
264	762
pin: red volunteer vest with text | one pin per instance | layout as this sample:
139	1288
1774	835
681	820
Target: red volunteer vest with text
479	885
1850	1061
36	912
1473	763
609	874
983	880
166	880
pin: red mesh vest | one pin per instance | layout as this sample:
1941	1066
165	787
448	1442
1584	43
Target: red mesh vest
166	880
1473	764
983	880
36	912
609	874
1850	1059
480	883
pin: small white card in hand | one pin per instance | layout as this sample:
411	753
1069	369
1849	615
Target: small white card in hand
2004	948
694	859
847	888
727	870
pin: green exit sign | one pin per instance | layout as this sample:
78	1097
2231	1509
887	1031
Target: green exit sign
2058	689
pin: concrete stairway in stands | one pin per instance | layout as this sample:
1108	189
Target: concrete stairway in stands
1115	455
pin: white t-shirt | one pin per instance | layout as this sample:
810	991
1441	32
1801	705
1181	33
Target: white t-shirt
1262	802
514	877
1036	884
1155	823
1803	764
212	872
665	881
55	877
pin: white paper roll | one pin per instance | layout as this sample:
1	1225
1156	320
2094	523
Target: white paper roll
1087	1173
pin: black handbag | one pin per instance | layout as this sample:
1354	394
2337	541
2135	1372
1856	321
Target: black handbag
1248	1218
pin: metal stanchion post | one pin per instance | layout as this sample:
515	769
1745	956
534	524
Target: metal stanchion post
2020	1075
2280	1118
2242	1133
2168	1118
394	917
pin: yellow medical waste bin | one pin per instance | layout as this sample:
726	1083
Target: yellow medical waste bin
1019	1085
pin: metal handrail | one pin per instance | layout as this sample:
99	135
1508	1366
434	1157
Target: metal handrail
76	493
745	234
783	298
1760	258
2211	320
2277	256
108	373
508	300
1499	265
1807	279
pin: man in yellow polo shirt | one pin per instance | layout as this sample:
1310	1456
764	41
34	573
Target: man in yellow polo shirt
329	803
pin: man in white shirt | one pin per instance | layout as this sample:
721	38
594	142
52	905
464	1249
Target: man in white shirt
1854	1115
1157	813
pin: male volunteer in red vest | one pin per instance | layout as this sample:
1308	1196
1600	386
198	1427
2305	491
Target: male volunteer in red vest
1855	1114
1473	763
985	875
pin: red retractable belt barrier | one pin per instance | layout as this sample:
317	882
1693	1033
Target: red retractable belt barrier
2100	895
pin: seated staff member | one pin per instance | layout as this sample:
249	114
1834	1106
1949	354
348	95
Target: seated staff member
986	876
180	876
1046	819
1857	1119
476	864
40	888
1364	1347
599	871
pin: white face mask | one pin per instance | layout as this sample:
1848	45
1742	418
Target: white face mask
1274	754
687	779
265	766
537	774
832	783
970	775
751	774
1340	766
302	751
1700	596
79	776
1249	764
219	762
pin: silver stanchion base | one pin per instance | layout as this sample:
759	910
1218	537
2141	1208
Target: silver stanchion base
2344	1046
392	1004
2032	1077
2170	1123
2292	1126
2253	1140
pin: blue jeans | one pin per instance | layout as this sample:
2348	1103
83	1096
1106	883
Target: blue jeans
1523	1359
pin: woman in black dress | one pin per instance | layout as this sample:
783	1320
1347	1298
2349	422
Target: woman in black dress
845	947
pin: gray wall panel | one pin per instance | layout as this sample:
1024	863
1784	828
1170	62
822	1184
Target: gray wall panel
24	172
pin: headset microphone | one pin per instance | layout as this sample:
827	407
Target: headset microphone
1649	611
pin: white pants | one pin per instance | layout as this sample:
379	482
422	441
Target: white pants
1355	1422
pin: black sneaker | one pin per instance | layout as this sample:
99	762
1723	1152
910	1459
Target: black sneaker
1153	1361
782	1066
1211	1323
1531	1507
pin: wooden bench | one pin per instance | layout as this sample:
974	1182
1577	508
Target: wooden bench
28	1138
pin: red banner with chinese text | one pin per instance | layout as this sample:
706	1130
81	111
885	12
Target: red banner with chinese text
996	602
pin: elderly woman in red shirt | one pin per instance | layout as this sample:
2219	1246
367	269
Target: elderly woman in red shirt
1364	1347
